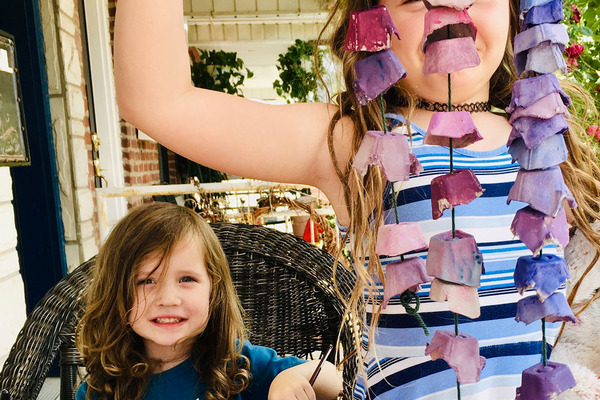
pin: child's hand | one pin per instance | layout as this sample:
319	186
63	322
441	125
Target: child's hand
290	384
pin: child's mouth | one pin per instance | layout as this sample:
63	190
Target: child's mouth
170	320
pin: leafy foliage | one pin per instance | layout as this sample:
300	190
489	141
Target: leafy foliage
298	78
215	70
583	25
218	70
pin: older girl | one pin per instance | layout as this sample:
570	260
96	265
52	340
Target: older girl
315	144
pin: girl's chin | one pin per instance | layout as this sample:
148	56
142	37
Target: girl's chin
463	90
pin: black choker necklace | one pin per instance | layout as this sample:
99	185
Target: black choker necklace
480	106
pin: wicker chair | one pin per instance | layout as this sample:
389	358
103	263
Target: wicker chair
285	286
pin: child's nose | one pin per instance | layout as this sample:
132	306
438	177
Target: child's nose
168	295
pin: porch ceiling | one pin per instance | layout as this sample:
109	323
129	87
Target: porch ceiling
258	30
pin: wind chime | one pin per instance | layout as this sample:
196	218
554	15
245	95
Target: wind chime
537	113
454	263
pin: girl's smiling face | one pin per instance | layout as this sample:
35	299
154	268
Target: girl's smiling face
491	17
171	305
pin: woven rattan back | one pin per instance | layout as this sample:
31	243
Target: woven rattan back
48	328
285	286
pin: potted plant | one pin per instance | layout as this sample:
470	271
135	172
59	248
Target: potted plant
298	80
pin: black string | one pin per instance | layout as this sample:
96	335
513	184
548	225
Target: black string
453	216
544	351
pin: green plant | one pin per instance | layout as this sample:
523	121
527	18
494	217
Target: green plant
218	70
583	59
583	53
215	70
297	77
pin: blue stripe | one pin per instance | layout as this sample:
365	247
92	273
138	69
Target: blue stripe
443	318
482	330
415	373
419	193
508	371
439	164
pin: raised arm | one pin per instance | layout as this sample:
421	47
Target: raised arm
154	91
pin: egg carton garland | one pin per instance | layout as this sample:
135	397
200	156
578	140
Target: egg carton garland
538	112
550	190
448	41
454	263
453	258
371	30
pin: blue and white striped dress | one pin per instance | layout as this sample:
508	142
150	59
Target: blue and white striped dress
396	365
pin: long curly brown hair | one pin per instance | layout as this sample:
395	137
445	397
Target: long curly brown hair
113	353
364	196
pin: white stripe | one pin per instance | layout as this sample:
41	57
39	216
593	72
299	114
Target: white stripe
498	275
490	253
441	156
497	391
494	228
395	367
551	335
415	354
470	163
486	283
434	306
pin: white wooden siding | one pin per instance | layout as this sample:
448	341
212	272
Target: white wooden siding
12	299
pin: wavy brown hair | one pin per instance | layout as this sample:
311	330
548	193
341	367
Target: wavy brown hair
364	196
114	356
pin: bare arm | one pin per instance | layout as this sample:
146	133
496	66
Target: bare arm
235	135
293	382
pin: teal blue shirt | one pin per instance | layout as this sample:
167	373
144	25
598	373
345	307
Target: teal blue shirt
181	382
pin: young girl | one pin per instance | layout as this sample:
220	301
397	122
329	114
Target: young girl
162	320
315	144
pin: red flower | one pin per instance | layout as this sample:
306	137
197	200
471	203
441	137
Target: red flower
576	17
594	130
572	64
575	50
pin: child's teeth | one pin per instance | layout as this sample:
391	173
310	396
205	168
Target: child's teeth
168	320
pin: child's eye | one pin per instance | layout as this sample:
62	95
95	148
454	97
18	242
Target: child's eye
187	279
146	281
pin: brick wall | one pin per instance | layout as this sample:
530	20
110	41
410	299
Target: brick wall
174	177
140	158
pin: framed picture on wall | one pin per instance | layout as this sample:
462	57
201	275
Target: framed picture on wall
13	134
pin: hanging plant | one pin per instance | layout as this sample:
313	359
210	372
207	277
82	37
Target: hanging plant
215	70
218	70
297	77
